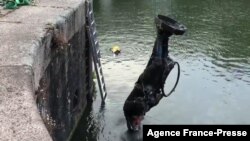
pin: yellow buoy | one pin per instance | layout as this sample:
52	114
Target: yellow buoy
116	50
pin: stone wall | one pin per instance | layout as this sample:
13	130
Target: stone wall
45	62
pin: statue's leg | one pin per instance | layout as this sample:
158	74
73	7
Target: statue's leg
160	50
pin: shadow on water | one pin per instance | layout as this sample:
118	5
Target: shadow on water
89	126
131	136
92	124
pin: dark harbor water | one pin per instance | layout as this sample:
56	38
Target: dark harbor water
214	55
